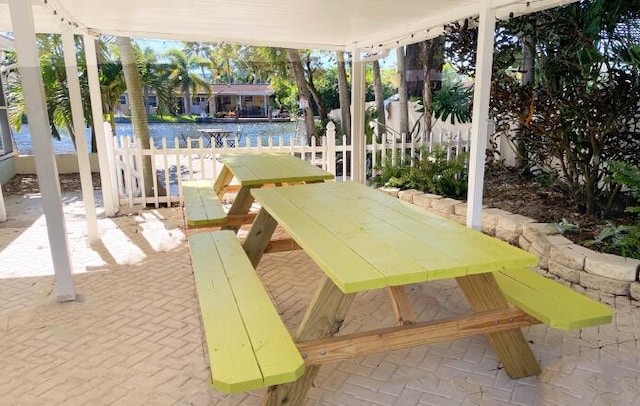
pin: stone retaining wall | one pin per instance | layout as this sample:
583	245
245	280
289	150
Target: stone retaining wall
560	258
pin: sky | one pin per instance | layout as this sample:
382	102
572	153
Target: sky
159	46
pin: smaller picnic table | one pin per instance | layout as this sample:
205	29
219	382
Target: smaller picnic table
257	170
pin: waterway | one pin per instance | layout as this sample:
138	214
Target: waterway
251	133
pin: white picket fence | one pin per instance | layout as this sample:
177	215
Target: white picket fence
186	161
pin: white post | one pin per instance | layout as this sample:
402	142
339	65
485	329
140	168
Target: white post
106	172
480	117
266	109
331	147
3	210
34	99
357	119
79	127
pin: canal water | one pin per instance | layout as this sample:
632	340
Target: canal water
251	133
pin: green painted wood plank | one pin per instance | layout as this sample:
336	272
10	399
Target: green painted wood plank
351	273
405	245
258	169
550	302
448	235
233	364
383	247
249	346
202	207
277	355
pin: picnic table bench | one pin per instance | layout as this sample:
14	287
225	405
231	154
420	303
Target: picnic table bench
248	345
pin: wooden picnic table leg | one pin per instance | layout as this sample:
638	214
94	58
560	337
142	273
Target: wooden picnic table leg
259	236
324	318
222	181
512	349
241	205
401	306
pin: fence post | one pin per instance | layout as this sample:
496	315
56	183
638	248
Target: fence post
331	148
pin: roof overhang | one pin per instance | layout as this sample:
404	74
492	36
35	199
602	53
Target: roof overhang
328	24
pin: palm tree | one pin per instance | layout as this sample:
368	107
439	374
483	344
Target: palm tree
303	90
136	104
345	96
225	53
181	75
155	76
402	93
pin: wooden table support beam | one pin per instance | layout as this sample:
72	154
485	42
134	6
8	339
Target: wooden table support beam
324	318
483	293
399	337
259	236
401	306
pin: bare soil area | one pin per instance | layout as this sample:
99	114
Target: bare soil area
506	189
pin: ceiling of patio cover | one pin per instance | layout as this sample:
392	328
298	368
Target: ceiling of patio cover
313	24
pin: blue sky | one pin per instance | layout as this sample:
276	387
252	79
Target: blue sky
160	46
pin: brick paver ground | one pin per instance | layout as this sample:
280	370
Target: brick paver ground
134	335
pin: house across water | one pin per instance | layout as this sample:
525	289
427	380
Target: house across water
224	102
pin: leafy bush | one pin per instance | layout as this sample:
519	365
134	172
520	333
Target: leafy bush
431	173
622	239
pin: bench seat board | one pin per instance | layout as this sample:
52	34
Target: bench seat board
248	345
550	302
202	207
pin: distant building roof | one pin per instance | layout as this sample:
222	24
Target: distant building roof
243	90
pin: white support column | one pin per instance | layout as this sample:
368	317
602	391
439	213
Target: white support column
34	99
358	141
106	172
3	210
79	128
480	117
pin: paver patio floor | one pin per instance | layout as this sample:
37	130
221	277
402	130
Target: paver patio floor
134	335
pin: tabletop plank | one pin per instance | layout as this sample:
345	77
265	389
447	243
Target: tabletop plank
259	169
398	241
351	273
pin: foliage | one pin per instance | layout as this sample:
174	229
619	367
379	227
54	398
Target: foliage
431	172
565	226
579	111
622	239
453	102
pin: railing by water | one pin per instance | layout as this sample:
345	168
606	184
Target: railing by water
191	160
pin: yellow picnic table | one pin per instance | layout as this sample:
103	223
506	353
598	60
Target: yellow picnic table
257	170
363	239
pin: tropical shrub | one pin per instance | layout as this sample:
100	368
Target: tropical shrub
431	172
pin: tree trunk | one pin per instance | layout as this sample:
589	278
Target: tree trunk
187	95
402	94
147	108
527	77
136	105
377	90
425	48
344	95
413	63
303	90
